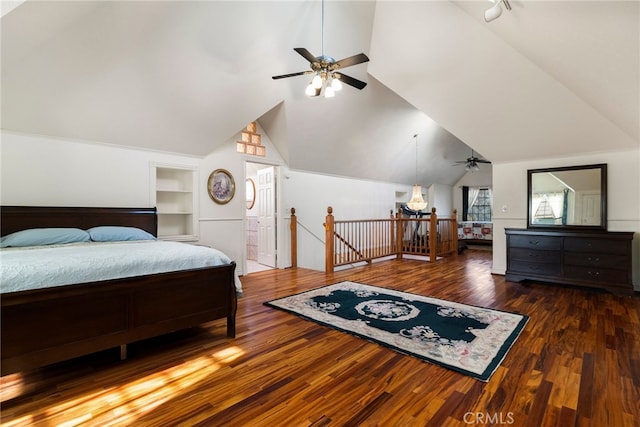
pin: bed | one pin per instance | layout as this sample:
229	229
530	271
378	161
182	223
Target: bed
478	232
55	322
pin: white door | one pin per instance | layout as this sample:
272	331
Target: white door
266	217
591	209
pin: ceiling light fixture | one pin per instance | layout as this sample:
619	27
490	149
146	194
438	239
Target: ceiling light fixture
416	203
472	166
495	11
327	72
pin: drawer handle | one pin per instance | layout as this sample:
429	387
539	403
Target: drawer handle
594	260
593	273
534	242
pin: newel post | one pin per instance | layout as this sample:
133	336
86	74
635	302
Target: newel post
294	238
454	224
329	241
399	233
392	229
433	235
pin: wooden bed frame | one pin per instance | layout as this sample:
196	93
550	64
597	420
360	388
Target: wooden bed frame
43	326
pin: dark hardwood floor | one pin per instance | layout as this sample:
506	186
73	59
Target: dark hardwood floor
577	362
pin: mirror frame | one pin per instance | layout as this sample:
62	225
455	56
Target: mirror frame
602	167
250	192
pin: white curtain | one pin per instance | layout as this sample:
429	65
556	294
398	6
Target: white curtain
535	202
471	199
556	200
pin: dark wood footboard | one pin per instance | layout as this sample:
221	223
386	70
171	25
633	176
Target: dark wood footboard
44	326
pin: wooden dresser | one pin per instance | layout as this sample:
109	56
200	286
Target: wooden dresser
595	259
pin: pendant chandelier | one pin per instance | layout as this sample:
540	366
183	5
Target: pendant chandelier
416	203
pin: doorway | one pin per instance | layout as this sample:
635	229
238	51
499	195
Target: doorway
261	236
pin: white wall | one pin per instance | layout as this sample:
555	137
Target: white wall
441	198
623	198
44	171
311	194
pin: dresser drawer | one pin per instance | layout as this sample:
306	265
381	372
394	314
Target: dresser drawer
536	268
617	262
595	274
523	254
575	244
535	242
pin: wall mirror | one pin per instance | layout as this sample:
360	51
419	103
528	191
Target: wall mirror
568	197
250	192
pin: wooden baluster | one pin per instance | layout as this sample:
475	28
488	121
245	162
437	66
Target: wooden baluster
343	230
360	245
351	244
293	225
361	231
383	234
363	244
329	227
371	238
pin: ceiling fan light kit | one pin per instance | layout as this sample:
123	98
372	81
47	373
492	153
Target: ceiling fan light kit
472	167
471	164
495	11
325	71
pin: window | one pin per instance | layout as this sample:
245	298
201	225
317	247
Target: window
478	204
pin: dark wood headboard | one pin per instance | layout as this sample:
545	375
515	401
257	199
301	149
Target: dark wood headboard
16	218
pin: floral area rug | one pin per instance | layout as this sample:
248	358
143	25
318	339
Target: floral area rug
467	339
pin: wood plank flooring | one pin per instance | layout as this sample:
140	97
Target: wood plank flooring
577	362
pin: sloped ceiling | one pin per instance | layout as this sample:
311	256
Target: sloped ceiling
514	89
547	79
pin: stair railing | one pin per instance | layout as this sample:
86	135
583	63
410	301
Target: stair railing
353	241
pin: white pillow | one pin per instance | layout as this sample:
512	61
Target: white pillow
111	233
44	236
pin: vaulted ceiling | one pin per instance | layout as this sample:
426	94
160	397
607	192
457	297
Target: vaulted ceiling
546	79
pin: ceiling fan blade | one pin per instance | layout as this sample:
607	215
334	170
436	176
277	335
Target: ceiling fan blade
284	76
358	84
482	161
352	60
306	54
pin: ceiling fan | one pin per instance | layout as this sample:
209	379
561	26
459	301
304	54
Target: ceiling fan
471	164
326	70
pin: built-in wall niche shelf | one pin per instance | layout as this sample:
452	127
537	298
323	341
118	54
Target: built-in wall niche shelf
251	142
402	197
174	193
